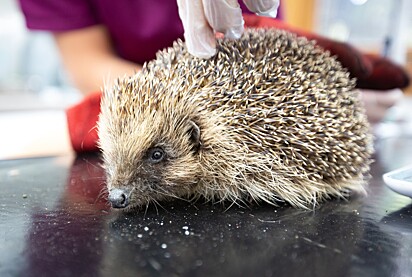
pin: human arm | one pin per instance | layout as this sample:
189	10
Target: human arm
90	59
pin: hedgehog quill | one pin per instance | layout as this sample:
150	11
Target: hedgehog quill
270	118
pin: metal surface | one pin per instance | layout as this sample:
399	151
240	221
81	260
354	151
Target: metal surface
55	221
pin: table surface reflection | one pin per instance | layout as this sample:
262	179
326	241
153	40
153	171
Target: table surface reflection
55	221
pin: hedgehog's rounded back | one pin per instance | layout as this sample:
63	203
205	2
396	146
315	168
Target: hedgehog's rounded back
270	118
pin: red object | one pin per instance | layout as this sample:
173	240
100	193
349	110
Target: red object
372	72
385	75
82	119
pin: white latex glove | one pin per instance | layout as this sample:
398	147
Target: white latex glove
263	7
201	18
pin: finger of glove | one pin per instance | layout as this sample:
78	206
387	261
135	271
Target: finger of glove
199	37
224	16
263	7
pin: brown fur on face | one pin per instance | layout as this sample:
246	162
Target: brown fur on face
271	117
177	137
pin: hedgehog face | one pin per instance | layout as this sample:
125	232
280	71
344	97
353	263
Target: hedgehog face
157	165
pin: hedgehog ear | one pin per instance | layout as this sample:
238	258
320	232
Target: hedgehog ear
194	132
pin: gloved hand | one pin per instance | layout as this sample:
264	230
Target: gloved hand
202	18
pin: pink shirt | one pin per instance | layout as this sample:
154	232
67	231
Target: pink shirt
138	28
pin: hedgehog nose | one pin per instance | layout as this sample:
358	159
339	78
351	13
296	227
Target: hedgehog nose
119	197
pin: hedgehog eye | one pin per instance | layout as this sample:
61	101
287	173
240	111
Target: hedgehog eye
156	155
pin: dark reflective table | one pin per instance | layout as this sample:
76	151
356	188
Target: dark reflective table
55	221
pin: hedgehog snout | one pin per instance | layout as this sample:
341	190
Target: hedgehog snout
119	197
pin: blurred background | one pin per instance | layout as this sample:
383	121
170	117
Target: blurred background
30	68
34	89
376	26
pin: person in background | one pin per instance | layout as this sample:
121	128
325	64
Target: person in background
101	40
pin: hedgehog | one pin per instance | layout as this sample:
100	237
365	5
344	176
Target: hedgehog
270	118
